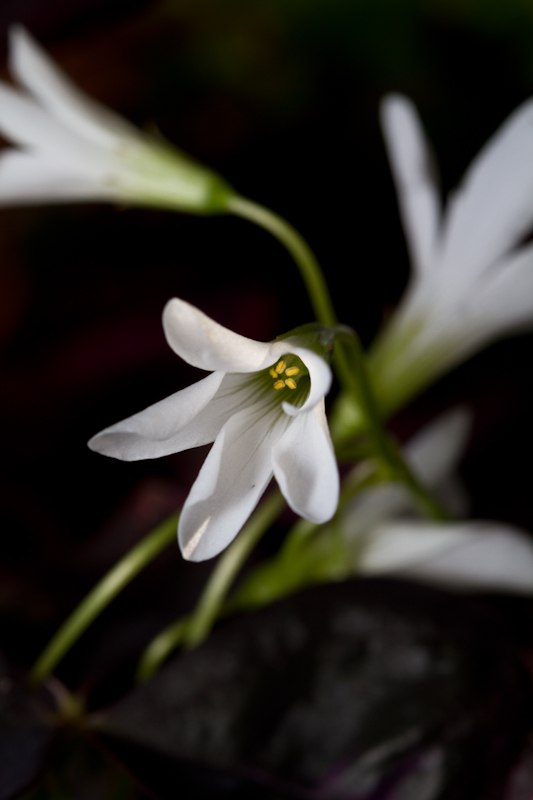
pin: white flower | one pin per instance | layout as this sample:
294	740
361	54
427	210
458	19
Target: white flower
464	555
263	406
68	147
473	277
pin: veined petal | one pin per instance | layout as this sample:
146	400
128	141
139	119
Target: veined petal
232	479
205	344
493	208
504	299
413	171
305	466
27	178
471	555
165	427
35	70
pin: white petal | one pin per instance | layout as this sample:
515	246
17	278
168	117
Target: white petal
493	208
34	69
25	123
26	178
436	450
165	427
503	301
413	172
204	343
476	555
305	466
232	479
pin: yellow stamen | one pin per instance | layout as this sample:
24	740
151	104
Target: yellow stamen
291	383
292	371
273	373
280	367
279	385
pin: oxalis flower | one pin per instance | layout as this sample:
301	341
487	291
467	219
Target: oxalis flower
472	276
384	535
262	406
71	148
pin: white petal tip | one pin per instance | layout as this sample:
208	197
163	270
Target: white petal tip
189	550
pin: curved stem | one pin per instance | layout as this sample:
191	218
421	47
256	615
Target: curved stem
160	648
307	263
302	254
102	594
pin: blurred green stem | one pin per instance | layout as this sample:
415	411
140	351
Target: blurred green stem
102	594
387	451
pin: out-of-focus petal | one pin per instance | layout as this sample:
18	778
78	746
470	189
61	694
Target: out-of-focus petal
493	208
26	178
36	71
413	171
228	487
470	555
25	123
503	300
165	427
305	467
205	344
433	453
436	450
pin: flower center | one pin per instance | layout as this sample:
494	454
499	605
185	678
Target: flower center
284	375
288	380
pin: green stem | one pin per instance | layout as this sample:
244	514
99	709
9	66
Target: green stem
387	450
227	568
302	254
102	594
160	648
307	263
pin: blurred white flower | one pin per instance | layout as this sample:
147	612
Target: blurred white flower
383	540
472	275
263	407
70	148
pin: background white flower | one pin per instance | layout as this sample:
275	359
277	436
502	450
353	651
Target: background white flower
472	277
385	538
71	148
263	407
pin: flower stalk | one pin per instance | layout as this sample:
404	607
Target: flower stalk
103	593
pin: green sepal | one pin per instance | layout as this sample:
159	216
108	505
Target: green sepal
313	336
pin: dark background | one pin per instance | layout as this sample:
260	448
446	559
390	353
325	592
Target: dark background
281	97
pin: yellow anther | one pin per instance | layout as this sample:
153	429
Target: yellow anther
280	367
291	383
292	371
279	385
273	373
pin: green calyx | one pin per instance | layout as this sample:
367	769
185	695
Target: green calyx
313	336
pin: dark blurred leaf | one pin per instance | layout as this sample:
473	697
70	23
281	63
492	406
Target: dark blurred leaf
368	689
25	732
